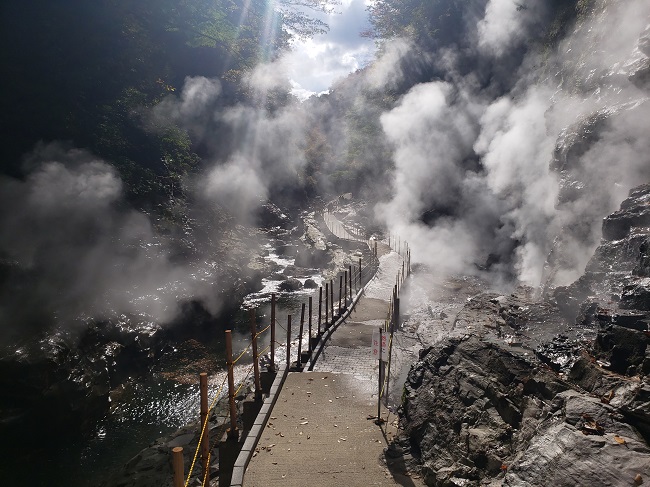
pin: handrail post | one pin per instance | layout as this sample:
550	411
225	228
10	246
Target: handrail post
350	279
232	432
332	298
272	366
178	466
309	339
256	362
340	291
320	307
205	440
360	274
379	421
327	305
345	290
396	326
288	342
302	324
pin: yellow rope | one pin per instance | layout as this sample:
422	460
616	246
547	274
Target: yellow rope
207	417
242	354
244	381
207	470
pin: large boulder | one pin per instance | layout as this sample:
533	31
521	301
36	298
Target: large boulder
476	412
290	285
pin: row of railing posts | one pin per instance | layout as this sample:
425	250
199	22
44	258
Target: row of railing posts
392	322
226	447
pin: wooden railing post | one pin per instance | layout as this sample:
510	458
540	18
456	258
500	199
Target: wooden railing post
256	362
178	466
288	342
350	279
360	275
309	335
320	307
205	440
332	298
232	432
272	367
327	305
345	290
340	292
302	324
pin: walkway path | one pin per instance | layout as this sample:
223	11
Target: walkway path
322	430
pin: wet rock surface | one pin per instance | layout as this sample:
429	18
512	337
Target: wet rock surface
477	411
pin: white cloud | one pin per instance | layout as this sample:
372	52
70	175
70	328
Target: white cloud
315	64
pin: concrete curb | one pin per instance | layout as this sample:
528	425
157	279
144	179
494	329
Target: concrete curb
255	432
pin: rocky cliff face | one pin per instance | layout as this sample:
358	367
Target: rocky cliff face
533	398
554	391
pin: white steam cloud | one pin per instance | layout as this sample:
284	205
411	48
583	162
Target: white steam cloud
506	24
478	177
66	225
386	70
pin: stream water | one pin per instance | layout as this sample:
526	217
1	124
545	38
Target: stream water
154	406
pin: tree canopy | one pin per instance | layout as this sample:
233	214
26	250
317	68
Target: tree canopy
83	72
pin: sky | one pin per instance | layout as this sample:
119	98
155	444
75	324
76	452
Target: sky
314	64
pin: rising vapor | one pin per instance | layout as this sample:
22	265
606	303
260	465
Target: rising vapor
477	176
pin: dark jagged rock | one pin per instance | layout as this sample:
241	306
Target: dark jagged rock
616	275
271	216
310	284
636	295
560	353
311	257
290	285
585	199
477	413
634	212
623	348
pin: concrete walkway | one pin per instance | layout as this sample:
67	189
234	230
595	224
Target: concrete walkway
322	429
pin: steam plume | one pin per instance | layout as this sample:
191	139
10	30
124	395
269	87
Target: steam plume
513	202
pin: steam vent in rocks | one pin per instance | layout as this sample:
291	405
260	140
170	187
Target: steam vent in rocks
179	177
